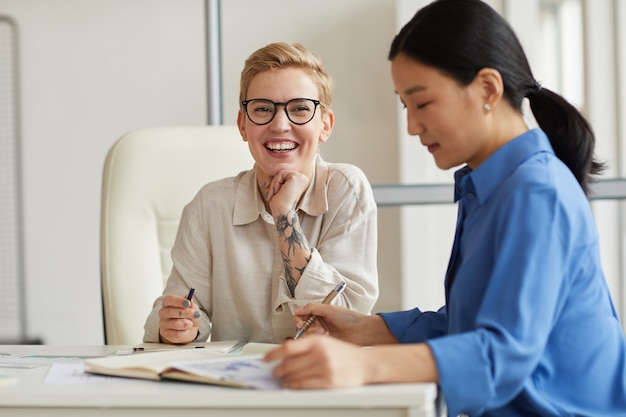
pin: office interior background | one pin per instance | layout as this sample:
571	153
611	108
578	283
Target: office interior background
75	75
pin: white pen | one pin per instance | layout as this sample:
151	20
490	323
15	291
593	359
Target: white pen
330	297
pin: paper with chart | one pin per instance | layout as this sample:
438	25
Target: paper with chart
250	370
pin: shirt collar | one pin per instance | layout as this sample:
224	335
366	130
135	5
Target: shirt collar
249	205
485	179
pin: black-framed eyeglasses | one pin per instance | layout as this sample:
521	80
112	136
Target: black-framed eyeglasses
299	111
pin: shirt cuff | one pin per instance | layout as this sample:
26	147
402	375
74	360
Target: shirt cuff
461	357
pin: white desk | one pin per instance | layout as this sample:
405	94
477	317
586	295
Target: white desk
30	396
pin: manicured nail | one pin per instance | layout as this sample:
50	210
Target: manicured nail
185	303
196	314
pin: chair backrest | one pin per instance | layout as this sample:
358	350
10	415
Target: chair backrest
149	176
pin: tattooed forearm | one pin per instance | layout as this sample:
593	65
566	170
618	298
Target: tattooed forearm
291	280
291	231
294	247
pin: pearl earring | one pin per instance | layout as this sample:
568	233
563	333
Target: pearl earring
487	107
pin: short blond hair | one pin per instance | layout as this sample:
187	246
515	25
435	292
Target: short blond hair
279	55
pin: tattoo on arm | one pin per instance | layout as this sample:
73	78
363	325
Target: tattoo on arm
291	280
290	232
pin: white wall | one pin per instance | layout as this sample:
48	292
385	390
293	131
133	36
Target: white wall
620	16
91	71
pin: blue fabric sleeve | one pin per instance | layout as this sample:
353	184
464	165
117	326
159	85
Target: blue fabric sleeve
415	326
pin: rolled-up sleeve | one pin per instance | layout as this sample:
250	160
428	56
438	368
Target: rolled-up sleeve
344	244
415	326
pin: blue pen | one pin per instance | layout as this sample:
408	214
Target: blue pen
330	297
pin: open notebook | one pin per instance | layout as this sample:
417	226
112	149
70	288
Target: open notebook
209	365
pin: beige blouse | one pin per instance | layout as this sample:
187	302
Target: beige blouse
227	249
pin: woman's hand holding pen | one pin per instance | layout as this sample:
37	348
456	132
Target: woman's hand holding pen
179	319
318	362
315	361
344	324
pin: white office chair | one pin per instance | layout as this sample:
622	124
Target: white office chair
149	175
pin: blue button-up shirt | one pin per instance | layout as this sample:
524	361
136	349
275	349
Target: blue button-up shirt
529	324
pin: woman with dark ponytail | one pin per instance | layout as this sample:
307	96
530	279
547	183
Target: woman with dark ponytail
529	327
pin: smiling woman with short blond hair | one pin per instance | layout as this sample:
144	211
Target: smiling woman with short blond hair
258	245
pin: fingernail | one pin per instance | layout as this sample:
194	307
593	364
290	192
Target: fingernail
196	314
185	303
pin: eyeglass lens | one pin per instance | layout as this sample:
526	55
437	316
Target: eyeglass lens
299	110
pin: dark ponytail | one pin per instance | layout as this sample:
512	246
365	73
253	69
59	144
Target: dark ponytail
461	37
569	132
